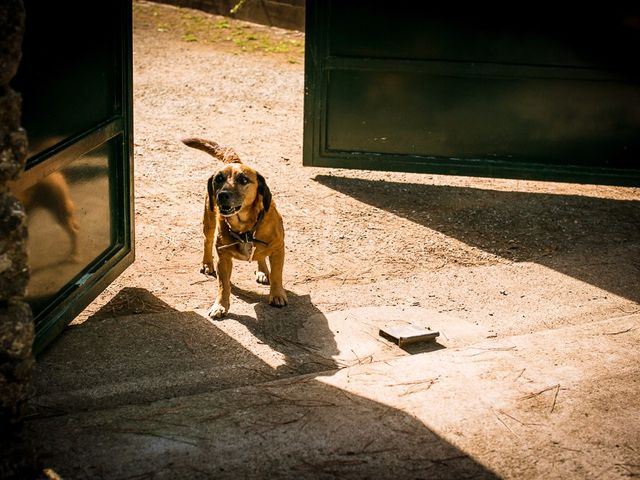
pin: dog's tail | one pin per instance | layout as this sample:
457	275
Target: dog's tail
227	155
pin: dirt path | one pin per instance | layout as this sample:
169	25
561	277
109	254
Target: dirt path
465	246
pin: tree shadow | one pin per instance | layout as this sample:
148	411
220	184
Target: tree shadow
595	240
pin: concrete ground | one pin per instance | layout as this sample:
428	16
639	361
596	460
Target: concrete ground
172	395
534	288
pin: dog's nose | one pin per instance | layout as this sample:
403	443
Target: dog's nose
224	197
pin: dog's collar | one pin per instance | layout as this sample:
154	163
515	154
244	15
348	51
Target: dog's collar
246	238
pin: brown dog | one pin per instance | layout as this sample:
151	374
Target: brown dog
240	221
53	194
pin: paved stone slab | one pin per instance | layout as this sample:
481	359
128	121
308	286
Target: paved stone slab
354	333
141	358
559	404
106	362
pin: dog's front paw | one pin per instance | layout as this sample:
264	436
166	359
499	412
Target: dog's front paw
207	269
216	311
262	278
278	298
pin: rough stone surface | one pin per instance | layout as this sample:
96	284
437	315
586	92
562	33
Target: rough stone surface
11	27
12	138
14	273
14	382
13	146
17	459
16	331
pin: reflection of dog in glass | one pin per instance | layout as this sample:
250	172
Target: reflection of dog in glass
52	193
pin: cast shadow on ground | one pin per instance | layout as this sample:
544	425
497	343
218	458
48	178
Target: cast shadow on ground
422	347
197	402
279	327
136	338
595	240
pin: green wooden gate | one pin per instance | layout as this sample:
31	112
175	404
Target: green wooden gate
534	91
75	81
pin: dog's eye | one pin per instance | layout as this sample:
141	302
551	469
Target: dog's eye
242	180
219	178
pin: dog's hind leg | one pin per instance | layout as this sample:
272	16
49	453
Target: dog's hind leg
262	275
59	203
70	224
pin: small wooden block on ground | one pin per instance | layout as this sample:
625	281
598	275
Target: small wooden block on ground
406	334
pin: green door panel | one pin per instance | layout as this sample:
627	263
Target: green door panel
444	112
75	82
488	91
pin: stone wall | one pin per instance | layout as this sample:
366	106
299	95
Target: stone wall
275	13
16	323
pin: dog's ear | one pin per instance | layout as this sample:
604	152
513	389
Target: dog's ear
211	192
227	155
263	190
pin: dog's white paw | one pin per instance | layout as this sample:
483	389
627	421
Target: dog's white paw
207	269
262	278
216	311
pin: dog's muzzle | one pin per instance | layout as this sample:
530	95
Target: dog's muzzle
226	204
228	211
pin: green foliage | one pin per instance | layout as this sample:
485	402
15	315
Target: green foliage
195	26
237	7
